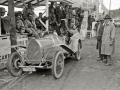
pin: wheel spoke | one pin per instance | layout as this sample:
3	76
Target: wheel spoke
59	64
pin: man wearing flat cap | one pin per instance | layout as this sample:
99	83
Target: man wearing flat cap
20	28
2	13
108	40
30	25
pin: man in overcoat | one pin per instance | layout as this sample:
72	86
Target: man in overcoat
108	40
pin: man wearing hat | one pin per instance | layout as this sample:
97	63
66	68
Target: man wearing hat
29	10
30	25
96	26
58	13
108	40
52	8
99	37
2	13
20	28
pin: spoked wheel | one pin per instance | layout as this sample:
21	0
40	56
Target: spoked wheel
58	65
78	53
13	64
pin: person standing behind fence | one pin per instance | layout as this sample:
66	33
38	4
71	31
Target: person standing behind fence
108	40
81	17
89	23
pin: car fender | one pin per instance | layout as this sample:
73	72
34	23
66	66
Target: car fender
65	47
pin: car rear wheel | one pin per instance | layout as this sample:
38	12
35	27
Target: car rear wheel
13	64
78	52
58	65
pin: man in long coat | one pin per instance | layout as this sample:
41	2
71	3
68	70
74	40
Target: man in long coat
108	40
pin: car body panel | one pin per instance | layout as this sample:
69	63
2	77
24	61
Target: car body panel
39	50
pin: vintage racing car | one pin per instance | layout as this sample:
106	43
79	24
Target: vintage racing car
46	53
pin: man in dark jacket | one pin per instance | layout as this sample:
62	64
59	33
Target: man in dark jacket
52	8
58	13
96	26
99	37
2	11
38	23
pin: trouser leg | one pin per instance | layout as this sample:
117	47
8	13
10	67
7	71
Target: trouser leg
99	51
100	42
104	58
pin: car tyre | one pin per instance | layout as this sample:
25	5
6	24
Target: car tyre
13	64
58	65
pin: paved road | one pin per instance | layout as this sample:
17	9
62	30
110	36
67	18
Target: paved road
86	74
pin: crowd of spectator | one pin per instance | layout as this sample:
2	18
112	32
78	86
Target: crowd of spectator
61	17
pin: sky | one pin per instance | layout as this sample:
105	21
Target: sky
115	4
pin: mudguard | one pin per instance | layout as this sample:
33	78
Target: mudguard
67	49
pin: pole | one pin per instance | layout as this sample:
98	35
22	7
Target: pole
0	23
47	13
12	16
109	7
97	7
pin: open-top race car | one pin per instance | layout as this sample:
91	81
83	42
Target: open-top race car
48	52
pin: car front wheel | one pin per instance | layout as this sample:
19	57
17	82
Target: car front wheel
13	64
58	65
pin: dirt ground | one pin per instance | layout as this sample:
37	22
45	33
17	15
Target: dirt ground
86	74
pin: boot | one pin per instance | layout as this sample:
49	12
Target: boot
101	58
104	61
109	63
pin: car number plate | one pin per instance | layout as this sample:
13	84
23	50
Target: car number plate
29	69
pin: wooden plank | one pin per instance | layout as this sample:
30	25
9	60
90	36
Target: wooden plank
24	3
17	3
13	37
5	2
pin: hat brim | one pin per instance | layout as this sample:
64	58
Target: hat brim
3	11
